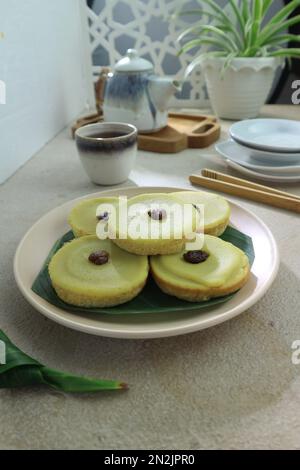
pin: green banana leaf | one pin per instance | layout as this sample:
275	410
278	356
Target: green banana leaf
151	299
21	370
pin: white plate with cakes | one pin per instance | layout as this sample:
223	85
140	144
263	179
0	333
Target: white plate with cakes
39	240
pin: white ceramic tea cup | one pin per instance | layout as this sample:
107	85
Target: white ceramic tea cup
107	151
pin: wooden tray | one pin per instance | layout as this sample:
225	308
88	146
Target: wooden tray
183	131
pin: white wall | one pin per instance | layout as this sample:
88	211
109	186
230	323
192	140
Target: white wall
46	71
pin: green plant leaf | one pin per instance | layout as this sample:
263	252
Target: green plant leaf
224	24
266	6
216	8
21	370
256	22
285	12
239	17
73	384
255	51
196	11
270	31
257	7
151	300
219	33
227	62
191	30
245	10
292	52
195	28
226	20
247	33
243	33
219	37
252	35
205	40
284	39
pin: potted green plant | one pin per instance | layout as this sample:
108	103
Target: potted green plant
240	51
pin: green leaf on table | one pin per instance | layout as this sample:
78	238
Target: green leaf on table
151	300
20	370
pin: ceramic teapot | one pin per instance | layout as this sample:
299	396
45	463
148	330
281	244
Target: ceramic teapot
135	95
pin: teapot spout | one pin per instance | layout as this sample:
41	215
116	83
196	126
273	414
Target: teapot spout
162	90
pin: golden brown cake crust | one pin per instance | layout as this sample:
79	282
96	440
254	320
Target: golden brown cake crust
217	231
199	295
80	300
162	247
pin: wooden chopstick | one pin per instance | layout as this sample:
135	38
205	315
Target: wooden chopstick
247	184
257	195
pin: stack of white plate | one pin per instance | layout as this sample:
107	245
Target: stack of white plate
265	149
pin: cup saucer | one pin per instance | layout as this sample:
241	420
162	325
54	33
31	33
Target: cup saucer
238	154
274	178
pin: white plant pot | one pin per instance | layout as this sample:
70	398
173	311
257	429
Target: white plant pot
243	88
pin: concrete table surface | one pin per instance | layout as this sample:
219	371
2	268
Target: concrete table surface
232	386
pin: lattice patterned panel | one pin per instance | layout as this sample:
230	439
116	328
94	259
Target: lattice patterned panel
145	25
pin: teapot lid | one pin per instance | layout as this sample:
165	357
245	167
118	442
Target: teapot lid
133	63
